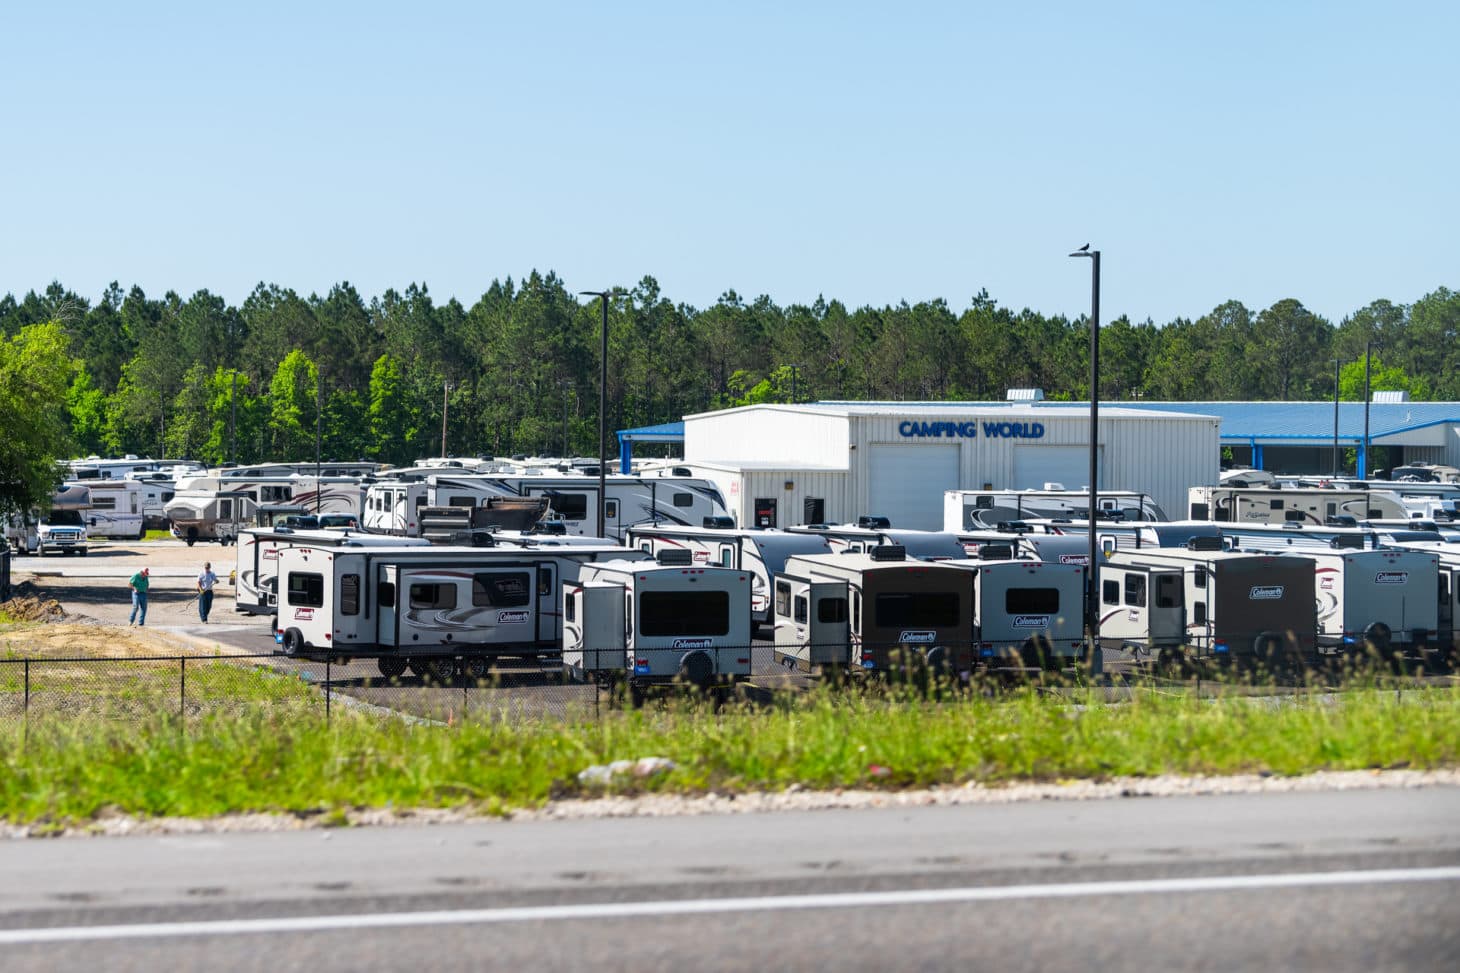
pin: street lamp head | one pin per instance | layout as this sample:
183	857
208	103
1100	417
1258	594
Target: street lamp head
594	293
1084	252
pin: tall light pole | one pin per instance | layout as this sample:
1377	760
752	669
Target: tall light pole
602	406
445	391
1335	417
564	386
318	381
795	370
1364	453
1092	573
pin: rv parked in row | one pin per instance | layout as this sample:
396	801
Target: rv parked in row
1026	614
983	509
870	532
872	611
420	608
654	623
216	508
256	559
1256	505
116	509
59	530
760	552
1383	601
1167	604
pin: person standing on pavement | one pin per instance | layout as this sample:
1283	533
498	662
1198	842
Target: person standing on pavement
139	585
206	581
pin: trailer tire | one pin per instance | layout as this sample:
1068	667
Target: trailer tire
1378	637
1269	651
192	537
441	670
697	669
391	666
293	641
478	668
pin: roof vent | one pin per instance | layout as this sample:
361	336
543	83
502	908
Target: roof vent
719	523
888	552
1355	541
1397	395
1024	395
676	556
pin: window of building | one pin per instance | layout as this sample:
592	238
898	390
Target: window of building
813	510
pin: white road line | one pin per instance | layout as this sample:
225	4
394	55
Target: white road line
629	910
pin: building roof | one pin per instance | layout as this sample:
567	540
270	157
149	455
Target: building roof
1111	410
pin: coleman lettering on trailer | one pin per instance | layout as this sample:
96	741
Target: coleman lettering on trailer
1031	621
693	643
917	636
303	614
1075	559
952	430
1391	577
1271	592
513	617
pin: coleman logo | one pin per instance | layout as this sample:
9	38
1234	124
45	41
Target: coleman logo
917	636
1074	559
693	643
1271	592
1391	577
513	618
1031	621
271	554
702	557
1326	584
304	614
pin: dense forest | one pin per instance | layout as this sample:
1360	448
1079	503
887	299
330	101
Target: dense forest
518	370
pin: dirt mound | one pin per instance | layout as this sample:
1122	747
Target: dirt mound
68	639
28	604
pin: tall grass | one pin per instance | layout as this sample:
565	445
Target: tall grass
293	761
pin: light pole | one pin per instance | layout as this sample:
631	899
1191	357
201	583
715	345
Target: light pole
602	405
318	381
564	386
795	370
1092	573
1335	416
445	391
1363	463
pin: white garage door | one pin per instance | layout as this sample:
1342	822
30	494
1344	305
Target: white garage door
906	484
1034	466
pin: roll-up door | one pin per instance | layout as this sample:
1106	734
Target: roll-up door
906	484
1034	466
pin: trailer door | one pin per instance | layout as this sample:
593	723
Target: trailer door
387	595
549	621
1167	605
823	615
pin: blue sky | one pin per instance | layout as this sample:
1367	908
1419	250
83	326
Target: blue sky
868	152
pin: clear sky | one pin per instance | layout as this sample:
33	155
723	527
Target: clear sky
868	152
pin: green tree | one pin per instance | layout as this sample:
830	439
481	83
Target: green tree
293	404
35	373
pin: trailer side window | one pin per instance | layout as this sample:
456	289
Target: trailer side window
857	610
500	590
306	590
570	608
1032	601
610	509
544	580
1168	591
831	611
690	613
461	501
350	594
1110	592
783	598
684	499
1135	590
1199	577
433	595
801	610
572	506
1199	612
385	595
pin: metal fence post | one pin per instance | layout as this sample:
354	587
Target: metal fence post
328	662
182	686
461	669
25	730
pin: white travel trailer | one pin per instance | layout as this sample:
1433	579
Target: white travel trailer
761	553
1447	556
209	514
1025	545
393	505
1257	505
116	509
872	612
216	507
985	509
256	559
1298	538
421	608
1246	609
157	489
1384	600
650	623
1026	614
870	532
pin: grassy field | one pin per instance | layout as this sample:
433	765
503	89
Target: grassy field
286	758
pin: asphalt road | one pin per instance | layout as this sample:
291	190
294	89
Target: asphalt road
1357	880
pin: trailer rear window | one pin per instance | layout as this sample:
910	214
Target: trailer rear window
306	590
931	609
350	594
684	613
1135	590
783	598
433	595
500	590
1032	601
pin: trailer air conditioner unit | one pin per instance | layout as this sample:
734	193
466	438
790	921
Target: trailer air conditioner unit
1204	543
1391	396
874	523
676	557
888	552
1024	395
719	523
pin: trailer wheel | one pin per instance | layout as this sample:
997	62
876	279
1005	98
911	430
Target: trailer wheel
697	669
1269	651
441	670
192	537
293	641
1378	637
142	531
478	667
391	666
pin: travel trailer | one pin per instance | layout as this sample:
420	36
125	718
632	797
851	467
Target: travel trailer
981	509
1384	601
157	488
393	505
1299	538
1025	545
872	612
1167	604
209	514
1447	557
654	623
1026	614
870	532
761	553
256	559
422	608
1257	505
216	507
116	509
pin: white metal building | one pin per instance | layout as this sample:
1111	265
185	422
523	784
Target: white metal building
830	462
